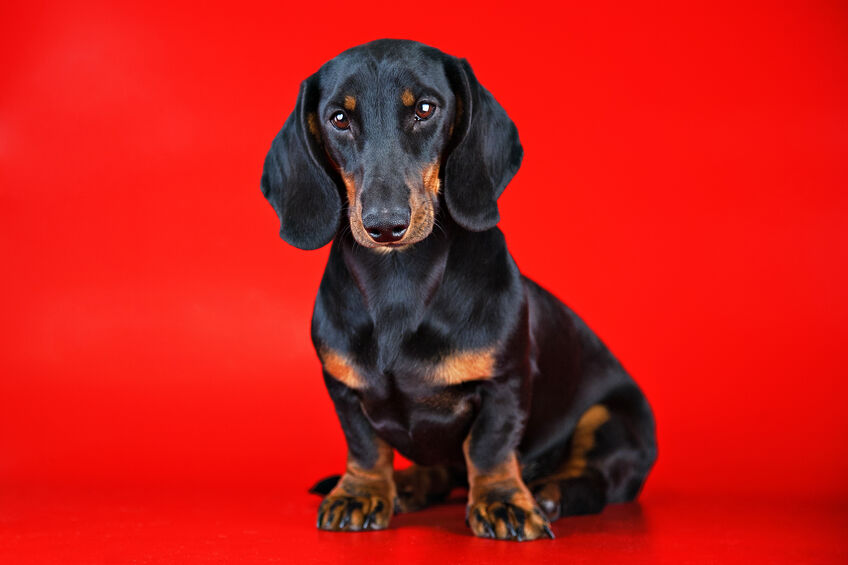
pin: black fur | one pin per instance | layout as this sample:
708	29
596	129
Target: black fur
486	156
395	316
297	182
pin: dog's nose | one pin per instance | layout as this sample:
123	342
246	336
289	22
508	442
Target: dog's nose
386	226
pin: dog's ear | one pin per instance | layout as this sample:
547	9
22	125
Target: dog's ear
485	151
296	178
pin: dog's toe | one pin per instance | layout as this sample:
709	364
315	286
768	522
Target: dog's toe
353	513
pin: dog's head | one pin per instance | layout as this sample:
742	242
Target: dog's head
386	127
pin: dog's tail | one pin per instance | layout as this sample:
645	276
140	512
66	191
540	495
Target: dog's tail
325	485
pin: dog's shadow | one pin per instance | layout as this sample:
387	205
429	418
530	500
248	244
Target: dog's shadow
449	517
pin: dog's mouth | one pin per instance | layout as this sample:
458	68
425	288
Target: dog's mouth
420	226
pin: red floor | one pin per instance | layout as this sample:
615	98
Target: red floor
141	525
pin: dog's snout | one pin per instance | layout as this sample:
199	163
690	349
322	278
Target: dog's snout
386	226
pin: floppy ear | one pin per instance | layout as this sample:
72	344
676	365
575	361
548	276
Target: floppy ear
296	178
486	152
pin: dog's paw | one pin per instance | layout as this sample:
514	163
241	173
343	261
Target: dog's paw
508	521
549	498
341	512
419	487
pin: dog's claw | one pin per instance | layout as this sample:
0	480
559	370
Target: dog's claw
343	523
352	513
507	521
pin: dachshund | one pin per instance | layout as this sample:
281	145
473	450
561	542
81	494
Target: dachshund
432	343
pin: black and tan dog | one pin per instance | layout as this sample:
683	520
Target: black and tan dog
432	342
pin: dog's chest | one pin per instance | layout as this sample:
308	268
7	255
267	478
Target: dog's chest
425	424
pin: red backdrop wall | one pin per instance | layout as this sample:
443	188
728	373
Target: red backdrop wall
685	174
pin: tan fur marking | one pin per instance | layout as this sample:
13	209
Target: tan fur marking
374	481
583	440
382	470
354	207
478	479
350	189
505	477
407	98
431	179
423	196
350	102
464	366
377	480
312	122
423	212
362	491
340	368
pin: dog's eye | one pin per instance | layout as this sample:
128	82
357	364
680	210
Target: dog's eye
424	110
340	120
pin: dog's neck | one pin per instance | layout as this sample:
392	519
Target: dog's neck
397	285
408	275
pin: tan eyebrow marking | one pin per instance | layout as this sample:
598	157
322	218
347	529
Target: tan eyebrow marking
350	102
407	98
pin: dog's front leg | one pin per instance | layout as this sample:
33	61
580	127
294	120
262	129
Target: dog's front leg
364	497
500	505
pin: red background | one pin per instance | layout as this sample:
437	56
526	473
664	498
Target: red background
683	189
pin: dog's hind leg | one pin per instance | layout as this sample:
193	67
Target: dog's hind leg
419	486
576	487
612	450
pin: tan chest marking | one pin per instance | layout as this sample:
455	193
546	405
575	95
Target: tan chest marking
451	370
340	368
464	366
